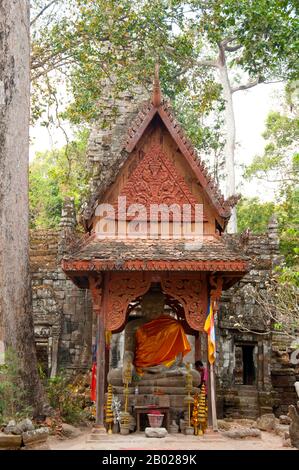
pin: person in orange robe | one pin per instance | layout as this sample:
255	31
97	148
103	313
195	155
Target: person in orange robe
159	342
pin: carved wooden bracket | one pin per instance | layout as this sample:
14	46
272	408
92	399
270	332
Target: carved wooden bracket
216	283
190	290
123	288
95	286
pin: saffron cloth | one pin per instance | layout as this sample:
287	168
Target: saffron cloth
159	342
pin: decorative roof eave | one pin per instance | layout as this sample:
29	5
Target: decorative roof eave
96	265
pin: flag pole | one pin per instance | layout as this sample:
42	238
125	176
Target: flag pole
213	398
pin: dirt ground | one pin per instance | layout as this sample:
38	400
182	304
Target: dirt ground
138	441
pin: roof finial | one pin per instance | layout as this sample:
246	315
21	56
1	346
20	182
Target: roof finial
156	97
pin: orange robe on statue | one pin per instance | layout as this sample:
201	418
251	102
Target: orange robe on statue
159	342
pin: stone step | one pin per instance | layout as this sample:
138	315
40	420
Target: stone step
253	413
155	390
247	392
249	409
250	414
245	401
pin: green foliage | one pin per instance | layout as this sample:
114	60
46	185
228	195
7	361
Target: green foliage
12	394
64	397
54	175
288	275
100	48
254	214
264	34
280	163
99	42
200	111
288	217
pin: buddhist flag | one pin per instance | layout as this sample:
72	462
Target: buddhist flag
209	328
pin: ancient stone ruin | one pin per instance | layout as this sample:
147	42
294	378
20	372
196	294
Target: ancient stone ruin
253	371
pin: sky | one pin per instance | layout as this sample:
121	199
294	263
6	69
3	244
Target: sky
251	109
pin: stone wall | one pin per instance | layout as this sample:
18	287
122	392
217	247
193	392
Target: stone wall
63	325
104	154
283	373
270	384
62	312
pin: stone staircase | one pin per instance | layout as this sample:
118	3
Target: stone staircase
249	407
241	403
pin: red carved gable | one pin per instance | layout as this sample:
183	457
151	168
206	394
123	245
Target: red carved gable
157	181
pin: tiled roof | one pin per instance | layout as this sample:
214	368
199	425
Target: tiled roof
149	254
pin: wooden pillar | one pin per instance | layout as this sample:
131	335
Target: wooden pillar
213	399
99	291
100	387
101	355
107	363
197	347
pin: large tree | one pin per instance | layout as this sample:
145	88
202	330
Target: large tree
257	38
100	41
15	289
279	164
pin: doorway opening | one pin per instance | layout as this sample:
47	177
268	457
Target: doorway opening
245	369
248	365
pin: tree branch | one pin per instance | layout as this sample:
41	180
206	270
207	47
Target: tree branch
246	86
42	12
274	81
233	48
226	47
207	63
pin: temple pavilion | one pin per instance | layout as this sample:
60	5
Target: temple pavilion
157	166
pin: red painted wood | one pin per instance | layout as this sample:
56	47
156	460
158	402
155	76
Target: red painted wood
94	265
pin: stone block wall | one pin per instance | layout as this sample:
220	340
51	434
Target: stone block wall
105	154
271	386
63	325
283	373
62	312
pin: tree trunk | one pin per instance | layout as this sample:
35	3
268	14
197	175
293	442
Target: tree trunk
15	289
230	137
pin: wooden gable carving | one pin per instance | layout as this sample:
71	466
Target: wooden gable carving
156	180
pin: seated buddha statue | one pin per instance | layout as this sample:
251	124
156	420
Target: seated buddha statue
155	345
